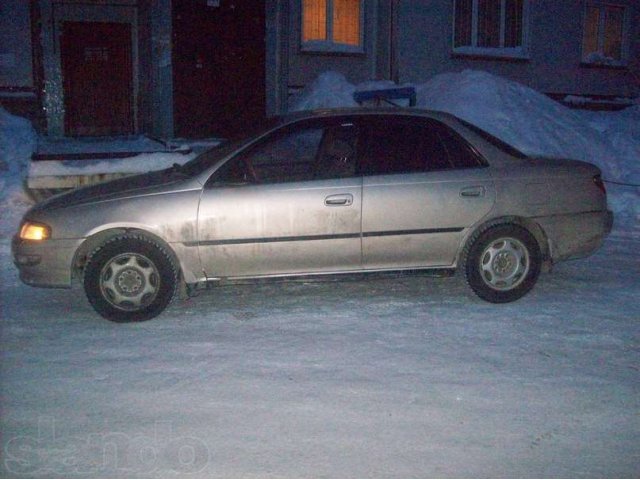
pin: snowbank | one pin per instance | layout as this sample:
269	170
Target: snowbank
153	155
18	140
66	145
329	90
524	118
141	163
520	116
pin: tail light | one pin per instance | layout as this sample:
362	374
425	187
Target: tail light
597	181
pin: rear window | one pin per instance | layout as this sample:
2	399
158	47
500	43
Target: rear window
496	142
460	153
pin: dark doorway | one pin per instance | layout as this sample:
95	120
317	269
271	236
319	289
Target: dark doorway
219	66
97	77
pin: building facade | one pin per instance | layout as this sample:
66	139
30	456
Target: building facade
559	47
197	68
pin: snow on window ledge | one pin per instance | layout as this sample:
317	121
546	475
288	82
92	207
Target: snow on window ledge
17	94
517	53
598	59
318	46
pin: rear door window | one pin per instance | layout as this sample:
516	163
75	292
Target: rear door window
401	145
396	145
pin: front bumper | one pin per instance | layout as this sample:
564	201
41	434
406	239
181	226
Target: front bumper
576	235
45	264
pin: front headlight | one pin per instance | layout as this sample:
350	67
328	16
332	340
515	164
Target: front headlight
34	231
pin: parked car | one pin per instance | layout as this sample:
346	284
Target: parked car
330	192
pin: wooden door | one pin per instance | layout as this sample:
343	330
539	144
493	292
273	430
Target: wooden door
97	78
219	66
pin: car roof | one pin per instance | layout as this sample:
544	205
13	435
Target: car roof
365	111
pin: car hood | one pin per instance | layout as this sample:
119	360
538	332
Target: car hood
162	181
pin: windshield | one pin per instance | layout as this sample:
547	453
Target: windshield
215	154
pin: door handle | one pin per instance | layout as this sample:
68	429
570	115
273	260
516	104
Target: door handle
342	200
472	192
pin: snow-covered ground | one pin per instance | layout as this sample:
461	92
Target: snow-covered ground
391	377
407	376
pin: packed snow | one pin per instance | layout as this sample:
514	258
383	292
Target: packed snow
388	377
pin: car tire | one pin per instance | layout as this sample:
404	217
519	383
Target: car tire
130	278
503	263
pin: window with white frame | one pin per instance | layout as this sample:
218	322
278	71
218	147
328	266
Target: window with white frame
332	25
603	41
490	27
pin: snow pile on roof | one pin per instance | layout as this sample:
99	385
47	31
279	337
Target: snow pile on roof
66	145
140	163
18	140
524	118
151	155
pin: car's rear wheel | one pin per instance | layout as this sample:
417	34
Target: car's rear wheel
503	263
130	278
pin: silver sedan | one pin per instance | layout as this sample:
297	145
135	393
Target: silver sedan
322	193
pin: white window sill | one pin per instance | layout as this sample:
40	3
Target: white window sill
330	47
599	60
611	66
497	53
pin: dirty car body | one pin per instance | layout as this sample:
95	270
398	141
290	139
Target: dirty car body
332	192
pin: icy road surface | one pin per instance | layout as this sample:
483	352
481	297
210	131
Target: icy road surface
394	377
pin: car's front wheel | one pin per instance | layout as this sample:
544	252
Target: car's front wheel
130	278
503	263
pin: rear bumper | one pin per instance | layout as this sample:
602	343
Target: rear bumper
44	264
576	235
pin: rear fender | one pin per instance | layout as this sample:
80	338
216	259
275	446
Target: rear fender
530	225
